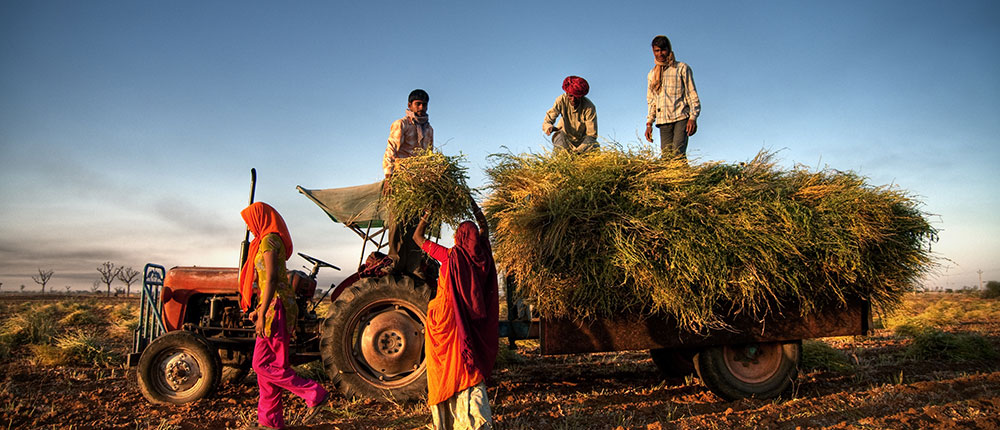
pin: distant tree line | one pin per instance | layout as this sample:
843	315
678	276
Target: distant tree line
109	272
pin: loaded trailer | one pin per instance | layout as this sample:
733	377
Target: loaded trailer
370	342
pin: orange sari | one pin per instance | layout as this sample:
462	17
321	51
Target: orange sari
462	320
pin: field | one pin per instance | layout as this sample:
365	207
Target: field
932	365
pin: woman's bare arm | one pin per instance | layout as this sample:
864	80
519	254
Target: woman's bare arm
418	234
484	227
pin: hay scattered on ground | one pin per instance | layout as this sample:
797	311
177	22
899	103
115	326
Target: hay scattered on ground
430	181
615	231
64	332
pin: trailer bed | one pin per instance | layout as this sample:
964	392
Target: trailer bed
632	332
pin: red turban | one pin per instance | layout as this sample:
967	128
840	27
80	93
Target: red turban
576	86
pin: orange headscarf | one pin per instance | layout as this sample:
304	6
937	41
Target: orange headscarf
261	220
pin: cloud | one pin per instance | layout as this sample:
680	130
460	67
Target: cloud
72	266
190	217
29	254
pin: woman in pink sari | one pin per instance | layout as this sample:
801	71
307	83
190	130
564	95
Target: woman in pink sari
274	318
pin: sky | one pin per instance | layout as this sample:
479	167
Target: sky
128	128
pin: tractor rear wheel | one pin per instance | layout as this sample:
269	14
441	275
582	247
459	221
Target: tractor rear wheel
761	370
178	367
373	340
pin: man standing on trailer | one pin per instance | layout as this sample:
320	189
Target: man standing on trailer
672	99
408	136
577	130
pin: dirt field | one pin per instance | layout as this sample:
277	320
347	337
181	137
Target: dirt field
907	375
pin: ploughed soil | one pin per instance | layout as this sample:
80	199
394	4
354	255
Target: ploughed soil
881	386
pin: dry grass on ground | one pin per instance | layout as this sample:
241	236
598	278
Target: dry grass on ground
915	371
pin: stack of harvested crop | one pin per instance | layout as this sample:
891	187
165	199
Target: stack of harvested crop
611	231
430	180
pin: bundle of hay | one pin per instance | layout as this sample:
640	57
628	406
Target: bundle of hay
609	231
430	180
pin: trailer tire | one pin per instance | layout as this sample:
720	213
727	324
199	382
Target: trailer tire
674	362
178	367
372	342
761	370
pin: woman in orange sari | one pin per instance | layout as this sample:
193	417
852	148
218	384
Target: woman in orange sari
462	327
274	318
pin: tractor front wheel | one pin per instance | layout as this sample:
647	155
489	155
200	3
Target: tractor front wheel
178	367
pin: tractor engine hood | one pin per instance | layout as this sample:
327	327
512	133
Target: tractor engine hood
182	283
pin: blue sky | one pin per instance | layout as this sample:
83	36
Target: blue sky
128	129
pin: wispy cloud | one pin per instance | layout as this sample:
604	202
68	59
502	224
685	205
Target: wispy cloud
197	219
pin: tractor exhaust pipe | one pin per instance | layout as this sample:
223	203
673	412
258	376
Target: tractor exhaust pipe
245	246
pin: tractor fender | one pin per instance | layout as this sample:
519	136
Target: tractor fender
343	285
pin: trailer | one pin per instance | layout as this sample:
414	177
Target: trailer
756	358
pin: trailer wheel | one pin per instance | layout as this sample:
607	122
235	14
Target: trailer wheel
178	367
674	362
373	340
762	370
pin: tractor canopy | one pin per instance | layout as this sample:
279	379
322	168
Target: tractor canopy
356	207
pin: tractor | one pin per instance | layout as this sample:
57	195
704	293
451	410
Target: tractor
192	331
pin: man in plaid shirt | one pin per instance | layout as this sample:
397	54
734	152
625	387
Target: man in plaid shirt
408	136
672	99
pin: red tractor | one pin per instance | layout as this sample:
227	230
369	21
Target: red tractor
371	344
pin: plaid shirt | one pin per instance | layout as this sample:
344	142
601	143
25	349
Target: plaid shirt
677	99
404	142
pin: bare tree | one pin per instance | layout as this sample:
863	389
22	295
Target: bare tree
95	287
42	278
68	288
108	273
127	275
22	288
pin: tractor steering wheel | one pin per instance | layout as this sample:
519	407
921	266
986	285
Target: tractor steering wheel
317	262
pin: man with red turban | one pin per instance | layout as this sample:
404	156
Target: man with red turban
462	331
576	130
